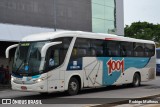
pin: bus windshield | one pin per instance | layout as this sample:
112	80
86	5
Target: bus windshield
28	58
158	53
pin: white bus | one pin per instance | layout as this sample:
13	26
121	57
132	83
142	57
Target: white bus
74	60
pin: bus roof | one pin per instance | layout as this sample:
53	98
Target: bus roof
52	35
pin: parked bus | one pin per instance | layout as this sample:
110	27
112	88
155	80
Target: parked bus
74	60
158	61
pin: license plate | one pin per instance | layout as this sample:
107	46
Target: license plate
23	87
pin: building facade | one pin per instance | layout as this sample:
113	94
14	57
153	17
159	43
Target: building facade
100	16
19	18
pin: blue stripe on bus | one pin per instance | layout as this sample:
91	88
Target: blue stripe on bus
19	76
36	76
128	62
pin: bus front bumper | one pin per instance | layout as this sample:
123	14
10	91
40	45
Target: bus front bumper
36	87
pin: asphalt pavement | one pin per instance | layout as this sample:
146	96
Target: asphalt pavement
89	97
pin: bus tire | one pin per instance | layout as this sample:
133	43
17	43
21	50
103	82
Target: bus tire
73	86
136	80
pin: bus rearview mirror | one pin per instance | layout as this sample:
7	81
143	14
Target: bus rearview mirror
9	48
46	46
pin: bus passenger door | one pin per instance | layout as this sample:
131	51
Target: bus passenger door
53	68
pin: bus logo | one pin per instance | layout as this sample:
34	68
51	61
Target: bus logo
115	66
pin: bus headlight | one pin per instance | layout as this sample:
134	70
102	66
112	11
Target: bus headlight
41	79
12	79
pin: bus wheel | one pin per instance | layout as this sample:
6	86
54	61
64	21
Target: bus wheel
136	80
73	86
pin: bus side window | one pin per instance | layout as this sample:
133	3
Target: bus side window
51	59
97	47
54	59
149	50
82	52
126	49
63	48
129	53
81	48
112	48
93	52
123	51
74	53
138	49
107	52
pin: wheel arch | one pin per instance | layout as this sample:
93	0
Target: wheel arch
78	77
136	82
138	72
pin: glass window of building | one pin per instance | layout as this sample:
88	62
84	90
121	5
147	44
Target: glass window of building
98	25
98	11
109	13
110	3
102	2
103	16
109	26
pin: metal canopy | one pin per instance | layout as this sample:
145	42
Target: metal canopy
15	33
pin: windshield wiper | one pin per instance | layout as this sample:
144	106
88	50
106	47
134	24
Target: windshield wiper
20	65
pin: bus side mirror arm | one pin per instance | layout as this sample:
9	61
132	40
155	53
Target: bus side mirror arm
46	46
9	48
